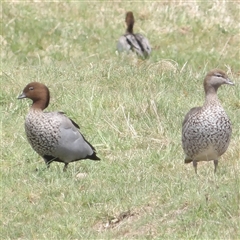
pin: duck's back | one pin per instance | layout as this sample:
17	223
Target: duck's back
128	42
72	145
145	45
123	45
53	134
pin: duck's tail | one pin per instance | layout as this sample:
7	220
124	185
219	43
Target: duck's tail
187	160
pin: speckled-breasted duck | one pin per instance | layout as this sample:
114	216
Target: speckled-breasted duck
52	135
133	41
206	130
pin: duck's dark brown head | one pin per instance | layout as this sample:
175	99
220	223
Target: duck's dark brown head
38	93
129	21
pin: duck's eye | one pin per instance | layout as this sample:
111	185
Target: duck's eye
31	88
218	75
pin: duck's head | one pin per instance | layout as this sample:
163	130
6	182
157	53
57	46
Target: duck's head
129	21
214	79
38	93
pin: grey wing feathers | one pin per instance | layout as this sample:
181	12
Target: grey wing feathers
144	44
123	45
77	126
131	40
72	145
128	42
134	42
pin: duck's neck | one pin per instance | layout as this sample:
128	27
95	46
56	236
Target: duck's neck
211	97
130	23
39	105
130	28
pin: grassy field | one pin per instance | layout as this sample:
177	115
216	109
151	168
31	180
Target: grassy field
130	110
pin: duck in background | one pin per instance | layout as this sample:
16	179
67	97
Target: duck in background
131	41
52	135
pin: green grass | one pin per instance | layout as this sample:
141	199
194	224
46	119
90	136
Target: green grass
130	110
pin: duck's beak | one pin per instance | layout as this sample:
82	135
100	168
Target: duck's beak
22	95
228	81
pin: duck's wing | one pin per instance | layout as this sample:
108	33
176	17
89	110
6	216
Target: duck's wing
135	44
74	123
128	42
72	145
190	113
144	44
123	45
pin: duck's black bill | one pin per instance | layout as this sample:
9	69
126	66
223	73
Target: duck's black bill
21	96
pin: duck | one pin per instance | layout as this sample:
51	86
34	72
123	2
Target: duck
54	136
206	130
131	41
